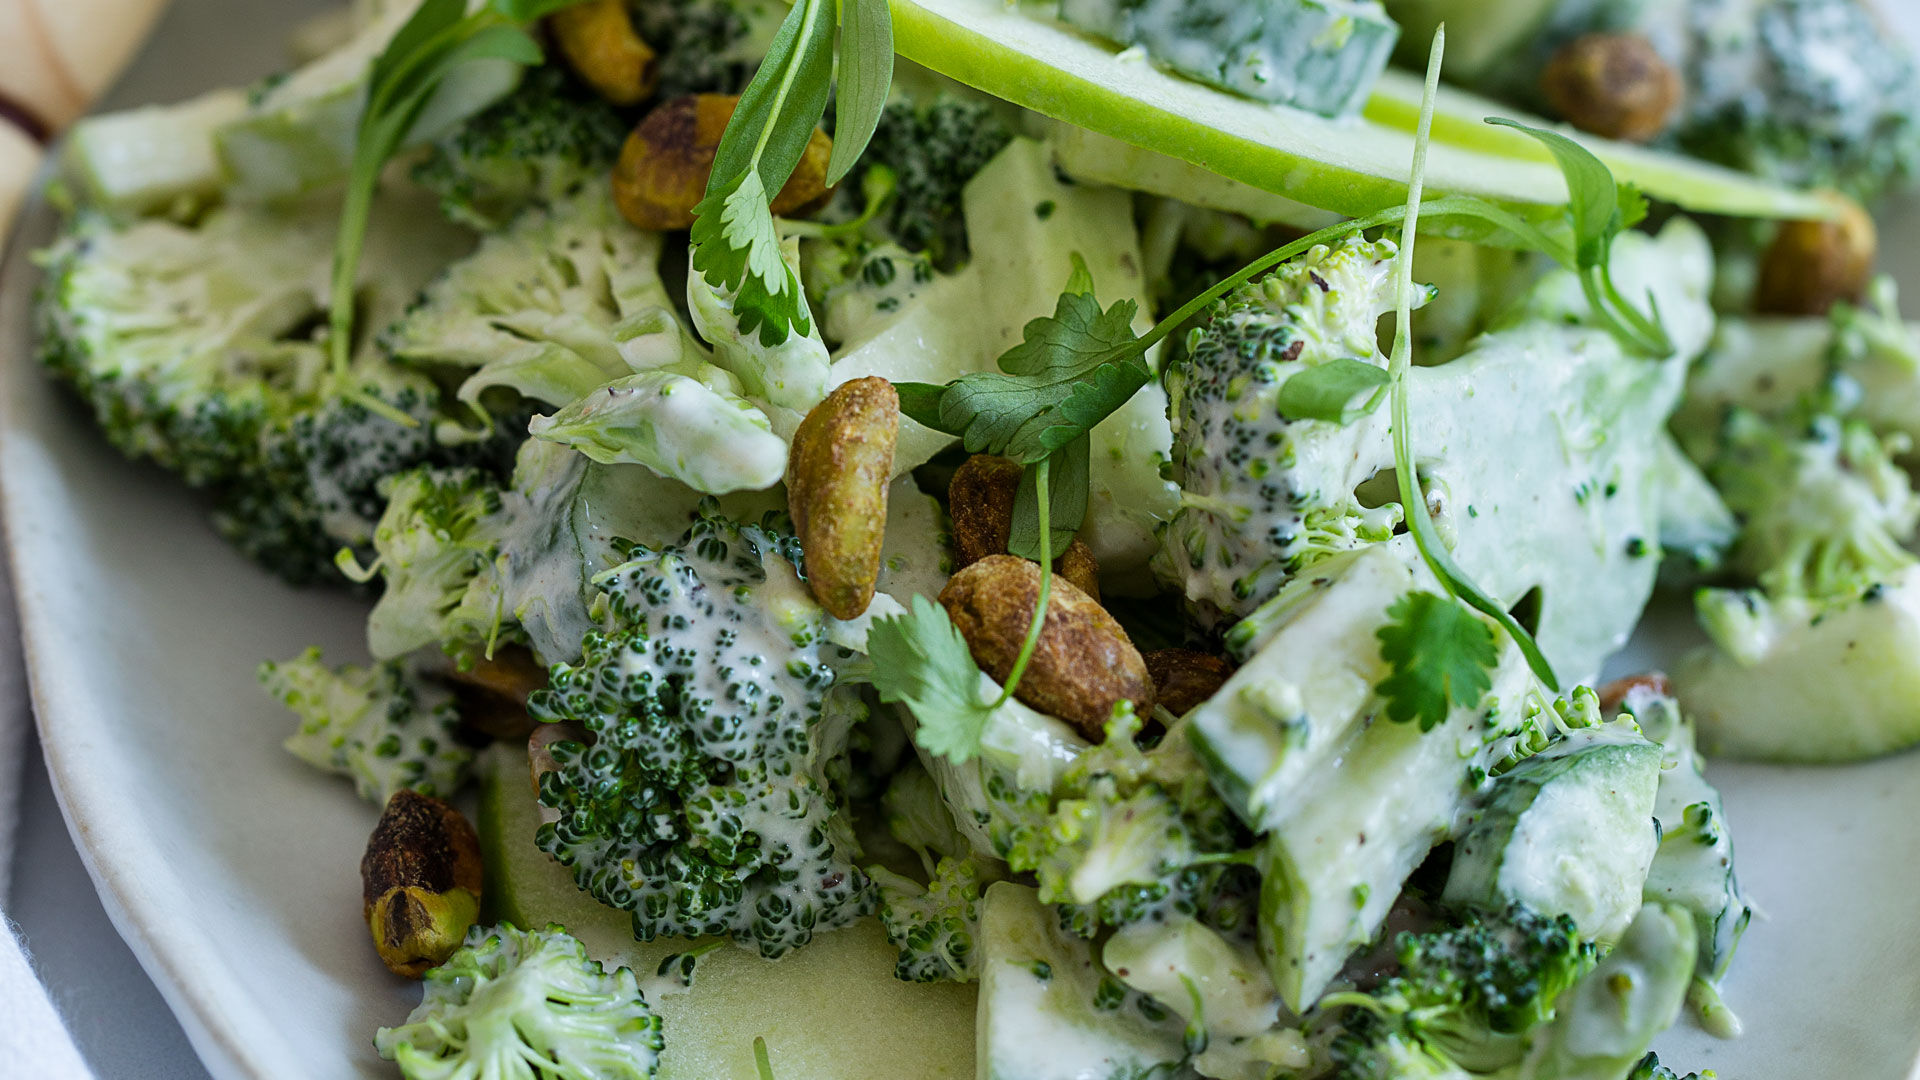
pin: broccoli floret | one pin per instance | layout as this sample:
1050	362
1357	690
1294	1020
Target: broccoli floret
1651	1069
1451	1012
1515	455
470	564
540	144
702	804
1825	513
933	150
1131	834
520	1005
1246	525
1812	92
705	46
437	547
1466	995
934	925
566	307
199	347
1823	506
385	726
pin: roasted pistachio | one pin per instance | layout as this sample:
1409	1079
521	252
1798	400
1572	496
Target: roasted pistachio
420	882
1184	678
662	172
600	44
1084	663
1614	85
1812	265
980	499
837	473
1615	692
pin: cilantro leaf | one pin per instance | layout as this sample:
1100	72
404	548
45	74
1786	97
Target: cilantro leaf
1073	369
737	246
1324	391
1441	655
920	660
1067	501
735	242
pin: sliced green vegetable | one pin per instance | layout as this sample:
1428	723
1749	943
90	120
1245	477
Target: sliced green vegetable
1352	167
1459	120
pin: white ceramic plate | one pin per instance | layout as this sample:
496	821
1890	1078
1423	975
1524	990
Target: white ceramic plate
231	868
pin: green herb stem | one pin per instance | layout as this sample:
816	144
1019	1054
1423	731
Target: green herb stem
1044	495
1426	537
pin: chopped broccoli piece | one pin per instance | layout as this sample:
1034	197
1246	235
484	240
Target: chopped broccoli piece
1236	1026
540	144
521	1005
470	564
566	307
384	726
1245	526
705	46
1516	455
297	135
1516	996
1466	998
1823	506
1040	987
1650	1068
936	925
1605	1022
933	150
1322	56
1126	835
1694	865
702	805
1815	93
197	347
1825	513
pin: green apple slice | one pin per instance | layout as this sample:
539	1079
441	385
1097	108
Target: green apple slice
1459	118
1352	167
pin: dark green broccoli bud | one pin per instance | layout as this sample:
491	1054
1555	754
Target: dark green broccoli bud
702	804
1132	834
383	726
933	151
196	348
513	1005
936	925
1466	996
1811	92
1651	1069
1254	510
704	46
539	144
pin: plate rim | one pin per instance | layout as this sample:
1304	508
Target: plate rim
165	950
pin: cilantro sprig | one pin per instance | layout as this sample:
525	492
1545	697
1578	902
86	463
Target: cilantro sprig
438	39
1078	366
736	244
